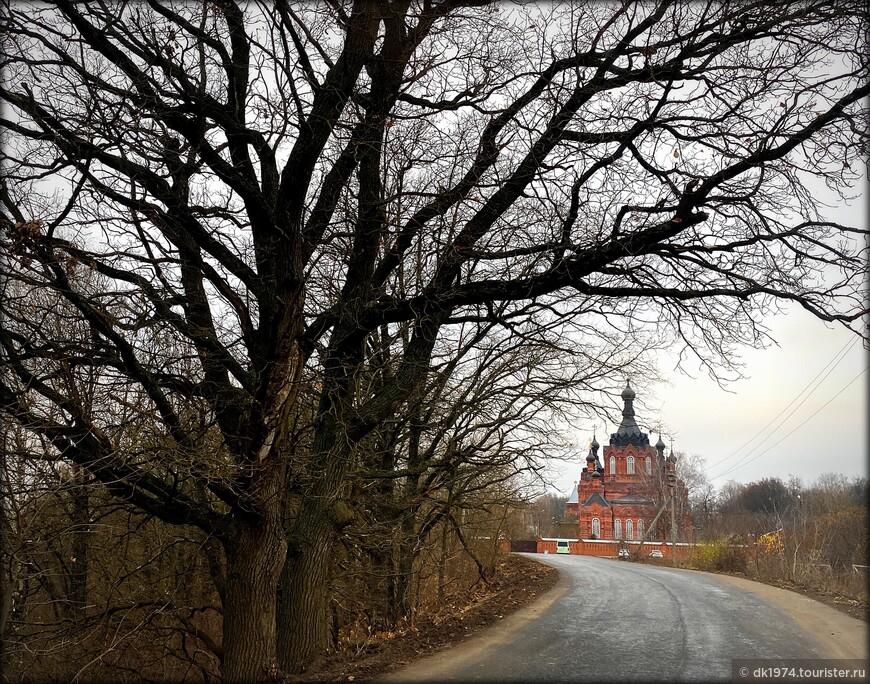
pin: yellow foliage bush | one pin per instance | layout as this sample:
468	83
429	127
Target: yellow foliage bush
721	554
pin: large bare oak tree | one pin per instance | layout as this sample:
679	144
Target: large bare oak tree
232	199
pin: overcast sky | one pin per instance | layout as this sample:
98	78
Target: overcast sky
801	410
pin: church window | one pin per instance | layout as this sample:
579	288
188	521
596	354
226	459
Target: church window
617	529
629	530
648	465
629	463
596	528
613	465
640	529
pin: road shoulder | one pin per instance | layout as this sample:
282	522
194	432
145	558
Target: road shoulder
841	635
432	668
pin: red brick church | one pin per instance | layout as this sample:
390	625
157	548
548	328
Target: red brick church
620	497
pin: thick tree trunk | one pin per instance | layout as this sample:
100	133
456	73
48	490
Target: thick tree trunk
302	603
255	553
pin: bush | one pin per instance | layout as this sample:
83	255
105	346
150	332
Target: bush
721	555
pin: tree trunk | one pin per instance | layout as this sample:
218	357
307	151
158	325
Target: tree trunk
380	598
442	560
405	570
77	597
6	586
255	552
302	602
407	543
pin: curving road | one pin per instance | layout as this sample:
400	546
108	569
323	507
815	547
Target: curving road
610	621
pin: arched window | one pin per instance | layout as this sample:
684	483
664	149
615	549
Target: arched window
613	465
596	528
629	465
648	465
629	530
617	529
640	529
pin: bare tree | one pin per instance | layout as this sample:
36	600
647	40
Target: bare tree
263	187
691	475
473	442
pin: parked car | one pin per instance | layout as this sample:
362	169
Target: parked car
623	554
656	553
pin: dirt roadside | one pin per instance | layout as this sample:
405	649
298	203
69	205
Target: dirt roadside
519	582
860	610
834	631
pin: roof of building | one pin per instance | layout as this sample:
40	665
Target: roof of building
628	431
635	499
595	498
573	498
556	539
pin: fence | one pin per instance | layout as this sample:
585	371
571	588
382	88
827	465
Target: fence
609	548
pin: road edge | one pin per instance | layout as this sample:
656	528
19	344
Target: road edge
430	667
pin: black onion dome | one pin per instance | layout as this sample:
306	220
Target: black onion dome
629	432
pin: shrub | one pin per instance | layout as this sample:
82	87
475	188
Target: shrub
721	555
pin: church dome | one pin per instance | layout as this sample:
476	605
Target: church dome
629	431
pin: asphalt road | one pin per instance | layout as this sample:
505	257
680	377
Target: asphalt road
611	621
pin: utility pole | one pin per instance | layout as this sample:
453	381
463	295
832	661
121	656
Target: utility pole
652	526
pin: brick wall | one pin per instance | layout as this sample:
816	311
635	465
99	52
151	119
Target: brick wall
610	548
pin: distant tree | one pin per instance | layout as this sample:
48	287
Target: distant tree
704	504
859	490
844	537
768	495
834	511
832	492
729	494
262	187
81	564
756	507
543	515
702	499
474	442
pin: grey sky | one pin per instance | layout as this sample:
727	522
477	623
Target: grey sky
801	410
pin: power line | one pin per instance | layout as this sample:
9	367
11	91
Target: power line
835	360
841	355
797	427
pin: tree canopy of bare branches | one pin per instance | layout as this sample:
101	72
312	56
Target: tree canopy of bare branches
218	218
